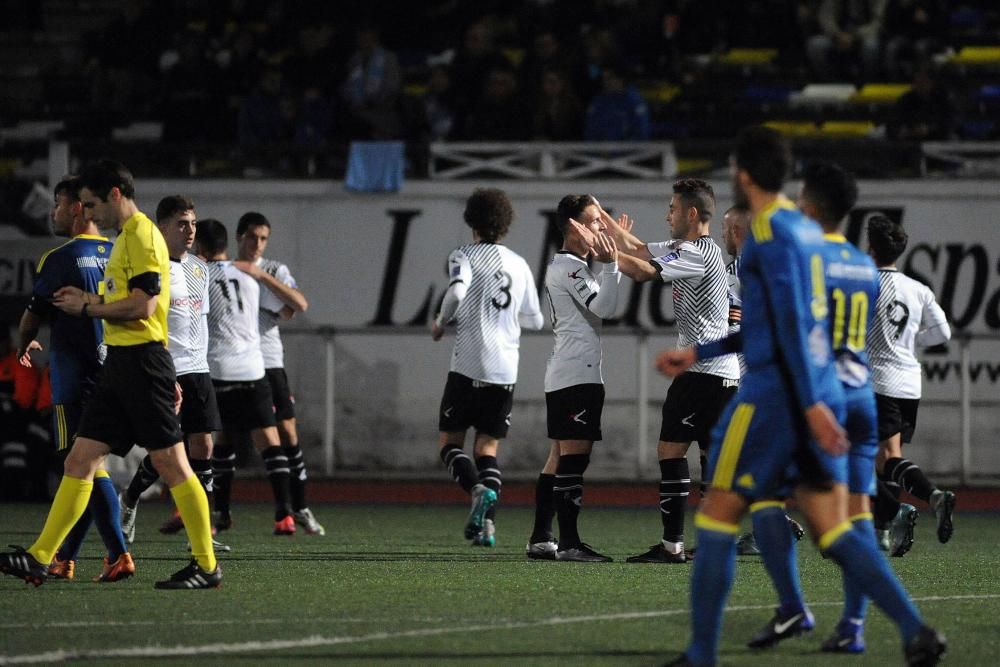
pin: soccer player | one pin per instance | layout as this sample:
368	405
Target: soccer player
77	350
791	389
279	300
907	317
574	385
491	296
136	396
693	262
236	365
187	328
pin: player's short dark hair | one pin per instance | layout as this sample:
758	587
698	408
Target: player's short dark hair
830	188
101	176
571	206
765	155
489	212
738	210
696	193
886	239
69	186
211	236
251	219
172	205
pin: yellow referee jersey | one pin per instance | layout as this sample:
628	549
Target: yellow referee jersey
139	249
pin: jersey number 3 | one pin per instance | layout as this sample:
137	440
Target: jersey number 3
503	299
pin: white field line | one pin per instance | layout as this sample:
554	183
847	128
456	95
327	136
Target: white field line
316	641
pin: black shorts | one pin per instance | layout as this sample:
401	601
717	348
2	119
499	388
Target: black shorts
483	406
244	406
896	415
134	400
284	402
199	411
693	405
574	413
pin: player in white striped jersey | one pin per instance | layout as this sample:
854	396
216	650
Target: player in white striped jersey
693	262
187	331
574	385
907	317
491	296
236	365
280	299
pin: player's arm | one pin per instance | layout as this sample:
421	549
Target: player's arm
796	322
676	262
140	304
294	300
639	270
934	328
530	315
460	276
27	332
621	231
604	299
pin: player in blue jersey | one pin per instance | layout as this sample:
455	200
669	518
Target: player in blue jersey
782	428
75	356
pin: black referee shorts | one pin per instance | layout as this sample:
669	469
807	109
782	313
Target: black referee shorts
134	400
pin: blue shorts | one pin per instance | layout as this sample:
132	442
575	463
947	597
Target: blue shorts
761	446
862	431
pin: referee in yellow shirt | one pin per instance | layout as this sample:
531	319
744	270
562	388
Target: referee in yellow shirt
136	397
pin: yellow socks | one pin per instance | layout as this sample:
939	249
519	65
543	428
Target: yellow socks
192	503
67	507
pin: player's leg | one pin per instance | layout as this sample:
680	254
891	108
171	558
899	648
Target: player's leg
65	418
223	471
145	476
455	416
192	503
70	501
887	504
490	479
266	442
284	413
542	544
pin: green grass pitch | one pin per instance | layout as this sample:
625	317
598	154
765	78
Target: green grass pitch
399	585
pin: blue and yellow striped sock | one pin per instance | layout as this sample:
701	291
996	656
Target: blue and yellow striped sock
711	580
777	550
864	564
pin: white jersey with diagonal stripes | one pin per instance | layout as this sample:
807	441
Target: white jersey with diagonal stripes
736	306
701	297
906	317
233	337
270	313
187	319
577	312
500	291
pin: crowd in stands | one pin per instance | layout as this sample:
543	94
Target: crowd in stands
259	72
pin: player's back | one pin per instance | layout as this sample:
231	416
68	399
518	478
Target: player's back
906	316
233	337
76	343
576	355
488	332
784	299
852	290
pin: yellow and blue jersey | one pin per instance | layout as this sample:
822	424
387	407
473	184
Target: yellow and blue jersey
852	287
76	347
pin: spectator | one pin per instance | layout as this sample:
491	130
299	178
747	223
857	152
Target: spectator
618	112
472	65
547	53
260	119
849	32
500	114
926	113
914	30
434	117
371	90
558	110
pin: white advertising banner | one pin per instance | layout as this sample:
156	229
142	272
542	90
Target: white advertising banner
379	261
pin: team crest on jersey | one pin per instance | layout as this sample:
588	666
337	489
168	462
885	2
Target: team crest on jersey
198	272
101	249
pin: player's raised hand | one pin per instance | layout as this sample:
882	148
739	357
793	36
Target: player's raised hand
674	362
24	356
588	237
826	430
604	249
